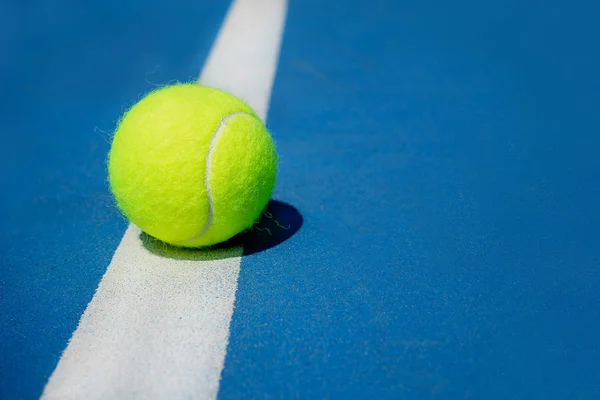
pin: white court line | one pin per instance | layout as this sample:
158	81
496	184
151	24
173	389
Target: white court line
245	54
157	328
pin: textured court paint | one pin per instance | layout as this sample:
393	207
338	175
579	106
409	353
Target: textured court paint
444	157
155	329
70	69
248	70
158	327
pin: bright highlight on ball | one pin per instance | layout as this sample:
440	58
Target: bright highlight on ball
192	165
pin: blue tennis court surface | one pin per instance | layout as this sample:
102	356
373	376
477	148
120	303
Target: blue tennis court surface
442	156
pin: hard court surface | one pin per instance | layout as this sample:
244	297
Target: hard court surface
435	225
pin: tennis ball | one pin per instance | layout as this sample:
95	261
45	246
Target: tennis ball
191	165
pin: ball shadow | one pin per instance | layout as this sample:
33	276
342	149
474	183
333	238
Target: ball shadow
279	222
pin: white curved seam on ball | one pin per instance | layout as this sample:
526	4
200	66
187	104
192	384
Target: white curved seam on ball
213	143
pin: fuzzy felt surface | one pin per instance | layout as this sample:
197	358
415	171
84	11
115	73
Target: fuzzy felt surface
191	165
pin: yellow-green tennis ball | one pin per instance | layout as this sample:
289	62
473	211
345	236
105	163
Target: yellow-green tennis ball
192	165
